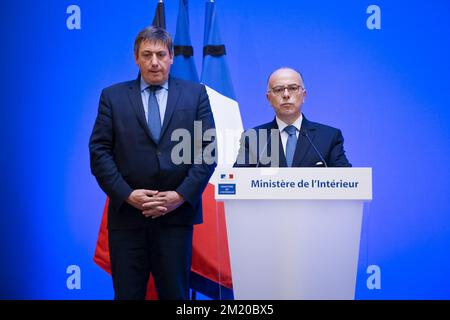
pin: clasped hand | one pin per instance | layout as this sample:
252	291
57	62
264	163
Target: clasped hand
155	203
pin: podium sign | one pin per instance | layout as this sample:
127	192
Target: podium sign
294	233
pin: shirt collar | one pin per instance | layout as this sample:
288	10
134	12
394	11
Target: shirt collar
144	85
297	123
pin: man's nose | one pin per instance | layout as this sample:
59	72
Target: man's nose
154	60
286	93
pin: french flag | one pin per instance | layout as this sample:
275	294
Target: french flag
210	244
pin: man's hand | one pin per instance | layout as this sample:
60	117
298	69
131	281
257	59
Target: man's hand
140	197
169	200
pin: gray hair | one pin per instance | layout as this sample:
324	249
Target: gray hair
153	34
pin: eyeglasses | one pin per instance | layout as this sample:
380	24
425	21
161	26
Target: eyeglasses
292	88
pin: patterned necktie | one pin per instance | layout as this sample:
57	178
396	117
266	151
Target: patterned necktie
154	118
291	144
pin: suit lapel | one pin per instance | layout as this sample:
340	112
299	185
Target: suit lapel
303	145
136	102
172	100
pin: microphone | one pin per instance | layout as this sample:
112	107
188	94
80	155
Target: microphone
305	134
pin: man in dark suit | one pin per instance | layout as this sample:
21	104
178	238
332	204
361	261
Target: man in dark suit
290	140
154	200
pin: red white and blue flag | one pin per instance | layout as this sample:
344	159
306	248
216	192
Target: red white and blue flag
210	238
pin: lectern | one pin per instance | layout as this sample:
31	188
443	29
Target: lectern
294	233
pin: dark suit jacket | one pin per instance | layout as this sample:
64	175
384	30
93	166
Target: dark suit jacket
125	157
329	142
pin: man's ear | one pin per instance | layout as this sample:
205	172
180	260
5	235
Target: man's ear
136	58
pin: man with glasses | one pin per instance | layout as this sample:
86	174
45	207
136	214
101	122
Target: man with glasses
290	140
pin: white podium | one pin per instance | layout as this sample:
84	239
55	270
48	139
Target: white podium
294	233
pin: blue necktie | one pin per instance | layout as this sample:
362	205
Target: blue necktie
154	118
291	144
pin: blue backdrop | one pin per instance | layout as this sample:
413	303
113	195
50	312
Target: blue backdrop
386	89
